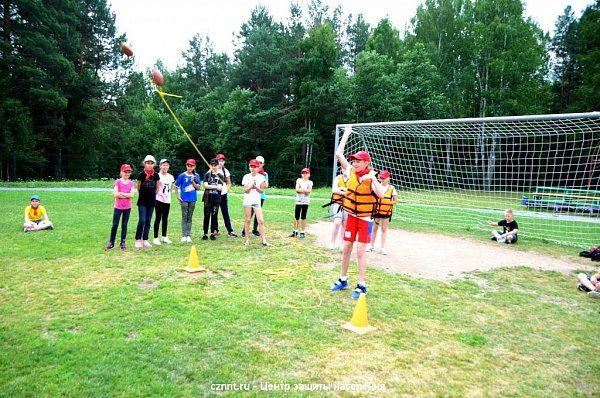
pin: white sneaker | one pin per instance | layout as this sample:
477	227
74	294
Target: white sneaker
145	243
383	251
166	240
501	240
183	239
331	246
189	239
156	241
369	248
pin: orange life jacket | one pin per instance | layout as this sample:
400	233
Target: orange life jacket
385	206
360	200
336	197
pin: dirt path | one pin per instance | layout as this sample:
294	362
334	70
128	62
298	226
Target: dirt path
436	256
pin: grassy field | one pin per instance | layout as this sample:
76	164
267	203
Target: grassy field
78	321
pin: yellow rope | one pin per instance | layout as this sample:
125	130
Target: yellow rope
273	274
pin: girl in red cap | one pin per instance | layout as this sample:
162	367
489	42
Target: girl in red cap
303	190
384	210
360	202
123	193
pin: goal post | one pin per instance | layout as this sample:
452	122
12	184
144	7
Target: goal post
460	173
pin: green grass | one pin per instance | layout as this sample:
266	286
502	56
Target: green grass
78	321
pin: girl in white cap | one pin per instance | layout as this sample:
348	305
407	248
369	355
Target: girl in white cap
147	187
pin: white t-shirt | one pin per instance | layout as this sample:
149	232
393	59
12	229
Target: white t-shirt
302	198
252	198
165	184
227	175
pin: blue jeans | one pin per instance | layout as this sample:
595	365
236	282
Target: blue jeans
143	227
115	224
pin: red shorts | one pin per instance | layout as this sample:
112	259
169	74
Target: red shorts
356	227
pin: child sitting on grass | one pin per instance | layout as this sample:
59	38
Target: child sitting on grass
589	283
36	217
509	229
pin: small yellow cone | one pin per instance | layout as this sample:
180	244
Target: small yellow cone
360	320
194	262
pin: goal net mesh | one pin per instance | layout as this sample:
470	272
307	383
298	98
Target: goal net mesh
458	174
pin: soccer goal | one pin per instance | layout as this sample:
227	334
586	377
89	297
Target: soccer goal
459	173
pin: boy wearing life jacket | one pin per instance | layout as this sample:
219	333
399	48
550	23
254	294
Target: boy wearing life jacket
360	202
384	211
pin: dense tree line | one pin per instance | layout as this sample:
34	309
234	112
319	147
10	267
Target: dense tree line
73	108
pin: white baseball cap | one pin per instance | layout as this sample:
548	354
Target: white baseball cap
149	158
164	161
260	159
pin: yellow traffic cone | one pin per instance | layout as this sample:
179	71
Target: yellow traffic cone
360	320
194	262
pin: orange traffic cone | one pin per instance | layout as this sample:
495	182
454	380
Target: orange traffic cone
360	320
194	262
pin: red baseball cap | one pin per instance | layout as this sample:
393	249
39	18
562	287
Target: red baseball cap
305	170
384	174
254	162
191	162
361	155
125	167
220	156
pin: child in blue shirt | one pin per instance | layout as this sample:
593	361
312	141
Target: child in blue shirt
186	187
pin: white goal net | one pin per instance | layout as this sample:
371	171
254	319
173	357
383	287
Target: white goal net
459	173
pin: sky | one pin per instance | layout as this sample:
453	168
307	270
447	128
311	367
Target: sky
159	29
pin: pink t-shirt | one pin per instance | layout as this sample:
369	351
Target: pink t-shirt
123	203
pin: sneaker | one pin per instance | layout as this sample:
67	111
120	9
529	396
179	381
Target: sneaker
302	235
233	234
267	244
183	239
331	246
360	289
122	245
246	242
204	237
594	294
339	285
501	240
493	238
109	246
369	248
293	234
581	287
255	233
243	233
146	244
138	244
383	251
188	239
156	241
213	236
166	240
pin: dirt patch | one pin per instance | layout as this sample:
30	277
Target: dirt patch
437	256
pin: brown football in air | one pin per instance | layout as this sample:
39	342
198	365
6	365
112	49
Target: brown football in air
158	78
126	49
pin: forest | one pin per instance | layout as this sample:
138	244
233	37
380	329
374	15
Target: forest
74	108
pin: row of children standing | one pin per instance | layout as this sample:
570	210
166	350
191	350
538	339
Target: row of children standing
155	194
